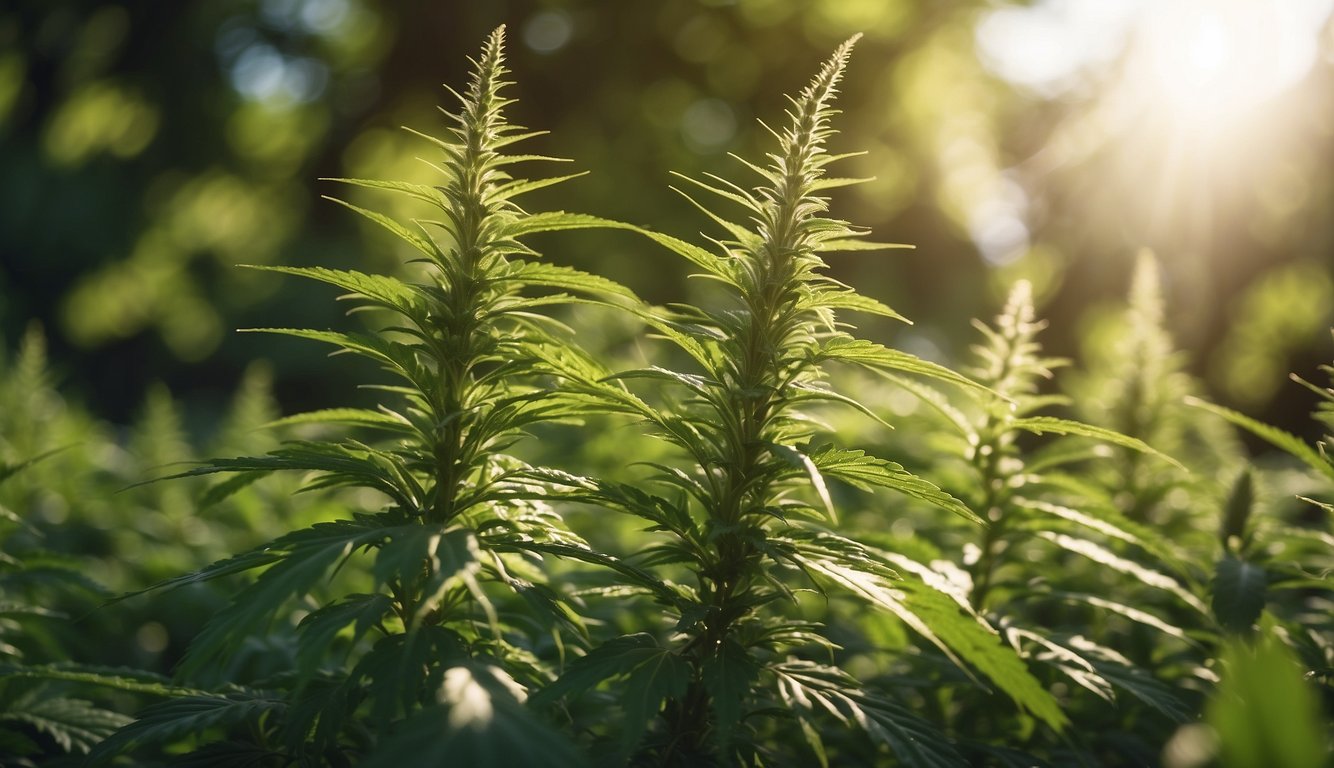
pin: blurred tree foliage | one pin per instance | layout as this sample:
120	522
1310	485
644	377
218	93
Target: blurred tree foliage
148	147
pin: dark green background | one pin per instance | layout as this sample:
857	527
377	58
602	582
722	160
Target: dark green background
145	150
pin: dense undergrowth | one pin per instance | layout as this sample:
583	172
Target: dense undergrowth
756	540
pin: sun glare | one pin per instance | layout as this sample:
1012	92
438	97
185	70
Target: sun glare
1202	61
1195	60
1192	101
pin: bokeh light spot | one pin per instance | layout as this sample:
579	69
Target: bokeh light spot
548	31
152	637
708	124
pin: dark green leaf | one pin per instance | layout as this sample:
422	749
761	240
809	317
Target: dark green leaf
1239	593
479	722
192	716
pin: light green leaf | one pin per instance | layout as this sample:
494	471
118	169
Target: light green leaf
862	471
706	260
1104	556
847	244
357	417
849	300
513	189
1107	522
878	357
551	221
118	678
1039	425
1272	435
1134	614
1264	713
385	291
565	278
422	192
804	462
422	244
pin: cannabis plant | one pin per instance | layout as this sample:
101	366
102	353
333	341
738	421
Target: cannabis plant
1133	380
39	717
747	523
417	633
1273	570
1023	469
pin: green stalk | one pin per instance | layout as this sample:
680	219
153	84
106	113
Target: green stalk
764	357
1010	369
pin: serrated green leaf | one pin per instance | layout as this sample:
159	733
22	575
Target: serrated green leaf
729	675
1107	522
812	690
654	679
1134	614
401	669
849	300
1099	554
1101	670
1276	437
397	358
845	245
118	678
303	560
1238	593
701	258
219	492
653	675
551	221
479	722
384	291
978	645
636	576
806	465
862	471
171	721
877	357
357	417
74	724
319	630
420	243
565	278
422	192
1040	425
513	189
347	463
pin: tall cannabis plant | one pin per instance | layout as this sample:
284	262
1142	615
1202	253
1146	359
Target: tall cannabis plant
1041	512
1133	381
1010	482
408	645
1273	569
749	519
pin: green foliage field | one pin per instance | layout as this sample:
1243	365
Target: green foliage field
562	525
